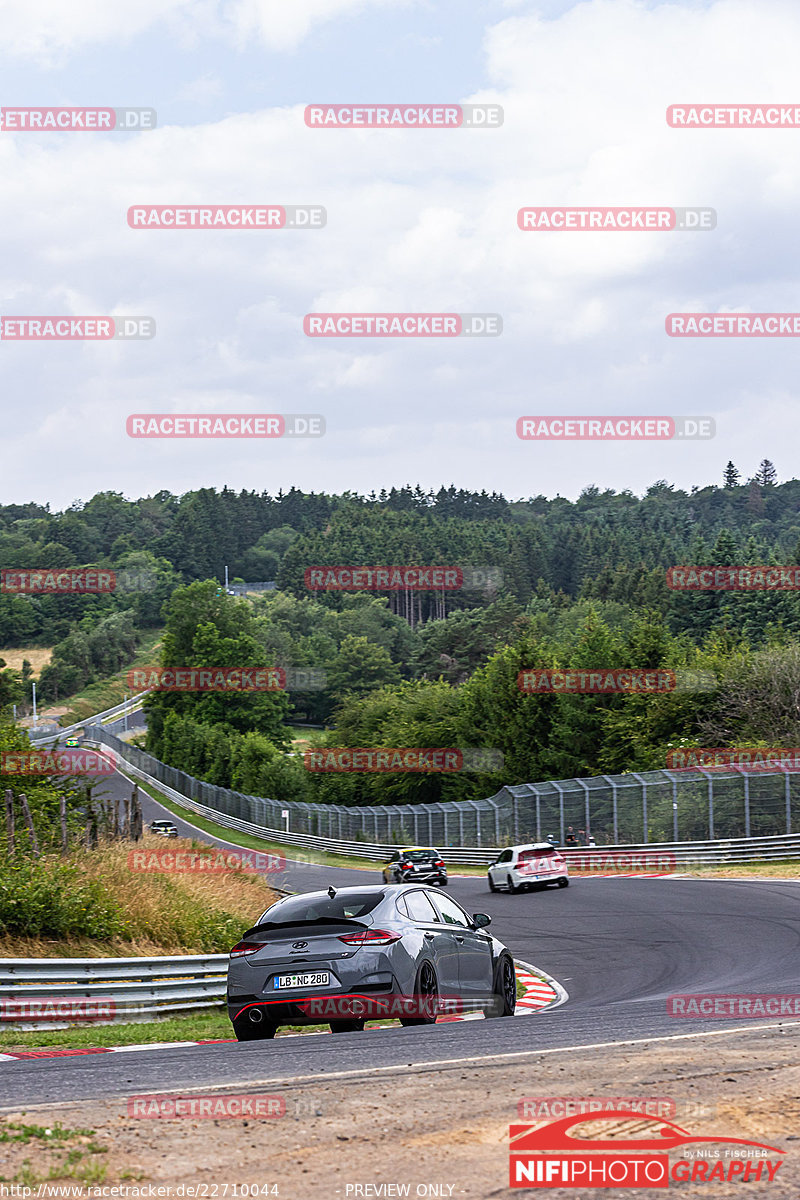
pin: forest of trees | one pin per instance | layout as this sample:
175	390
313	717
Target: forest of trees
575	584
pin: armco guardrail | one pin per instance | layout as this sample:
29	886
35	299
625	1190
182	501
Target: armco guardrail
139	988
119	710
659	855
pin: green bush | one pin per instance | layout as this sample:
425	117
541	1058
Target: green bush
50	899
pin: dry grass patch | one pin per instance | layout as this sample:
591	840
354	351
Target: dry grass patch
37	656
154	913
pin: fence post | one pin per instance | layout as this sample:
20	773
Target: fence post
62	817
587	816
674	810
643	784
746	805
26	812
788	793
136	815
560	791
538	816
9	803
614	805
515	799
710	779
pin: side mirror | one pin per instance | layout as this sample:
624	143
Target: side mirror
480	920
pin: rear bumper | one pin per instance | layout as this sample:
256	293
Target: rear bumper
318	1010
423	877
540	877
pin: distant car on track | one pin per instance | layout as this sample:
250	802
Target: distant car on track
343	957
416	864
72	741
164	828
521	868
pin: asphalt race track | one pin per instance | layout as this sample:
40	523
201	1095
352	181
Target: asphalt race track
619	946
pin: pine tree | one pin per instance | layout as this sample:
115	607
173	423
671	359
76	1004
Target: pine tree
731	476
766	475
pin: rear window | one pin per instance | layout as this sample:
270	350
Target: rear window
321	908
417	856
540	852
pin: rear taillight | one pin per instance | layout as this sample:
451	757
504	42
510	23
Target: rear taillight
245	948
370	937
439	863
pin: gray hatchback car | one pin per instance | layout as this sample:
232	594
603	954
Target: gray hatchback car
352	954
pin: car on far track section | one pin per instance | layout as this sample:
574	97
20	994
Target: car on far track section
521	868
345	956
416	864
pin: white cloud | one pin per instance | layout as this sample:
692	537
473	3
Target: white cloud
423	221
48	31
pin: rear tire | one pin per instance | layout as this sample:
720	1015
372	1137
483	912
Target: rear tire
492	884
563	882
512	887
352	1025
504	990
425	986
248	1031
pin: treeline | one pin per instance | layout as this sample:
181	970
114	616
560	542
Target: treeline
389	686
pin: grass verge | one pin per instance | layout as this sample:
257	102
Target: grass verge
246	840
784	869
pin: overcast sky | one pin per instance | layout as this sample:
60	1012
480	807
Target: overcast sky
417	221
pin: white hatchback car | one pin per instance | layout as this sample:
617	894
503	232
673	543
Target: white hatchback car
523	867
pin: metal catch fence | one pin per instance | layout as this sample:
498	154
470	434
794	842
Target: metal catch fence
639	808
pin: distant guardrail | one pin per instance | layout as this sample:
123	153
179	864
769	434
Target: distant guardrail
46	993
119	710
661	855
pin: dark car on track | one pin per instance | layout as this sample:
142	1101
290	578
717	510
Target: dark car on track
416	864
344	957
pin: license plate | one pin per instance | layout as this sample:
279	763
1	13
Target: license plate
312	979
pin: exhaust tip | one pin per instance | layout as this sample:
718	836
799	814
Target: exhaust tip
256	1016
